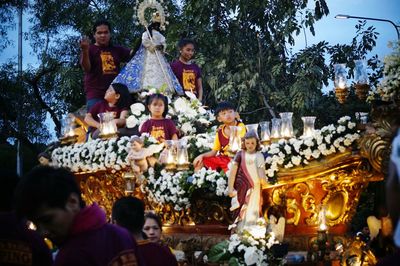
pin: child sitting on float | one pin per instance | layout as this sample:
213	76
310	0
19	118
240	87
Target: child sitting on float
219	157
117	101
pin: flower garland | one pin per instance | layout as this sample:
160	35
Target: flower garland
96	155
249	247
294	152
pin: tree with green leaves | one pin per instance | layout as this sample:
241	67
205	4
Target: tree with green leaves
243	49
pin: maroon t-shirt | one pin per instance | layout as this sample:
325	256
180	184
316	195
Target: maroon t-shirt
102	107
187	74
161	130
105	66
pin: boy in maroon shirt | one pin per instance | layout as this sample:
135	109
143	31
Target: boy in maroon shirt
101	62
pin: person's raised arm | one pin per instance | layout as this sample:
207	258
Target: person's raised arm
85	60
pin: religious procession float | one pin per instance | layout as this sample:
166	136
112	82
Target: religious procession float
312	178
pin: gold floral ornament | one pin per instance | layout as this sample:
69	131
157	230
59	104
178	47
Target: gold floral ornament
158	16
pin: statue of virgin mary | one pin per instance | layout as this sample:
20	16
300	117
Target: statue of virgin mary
148	68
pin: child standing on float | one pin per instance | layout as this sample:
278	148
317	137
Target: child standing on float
187	72
158	126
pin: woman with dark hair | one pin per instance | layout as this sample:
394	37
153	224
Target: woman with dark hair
149	68
152	227
116	101
187	72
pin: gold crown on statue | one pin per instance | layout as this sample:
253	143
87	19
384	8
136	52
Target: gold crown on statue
156	17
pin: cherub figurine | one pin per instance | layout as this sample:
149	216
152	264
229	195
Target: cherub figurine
141	158
137	156
245	178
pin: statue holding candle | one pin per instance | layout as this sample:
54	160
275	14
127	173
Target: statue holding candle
247	174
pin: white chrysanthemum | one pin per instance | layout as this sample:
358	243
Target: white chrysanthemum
137	109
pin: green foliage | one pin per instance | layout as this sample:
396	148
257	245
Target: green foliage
242	49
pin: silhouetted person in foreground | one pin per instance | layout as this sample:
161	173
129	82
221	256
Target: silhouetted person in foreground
18	244
51	199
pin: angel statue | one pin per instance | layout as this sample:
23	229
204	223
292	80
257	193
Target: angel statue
138	156
148	68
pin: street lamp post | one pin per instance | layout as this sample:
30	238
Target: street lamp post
340	16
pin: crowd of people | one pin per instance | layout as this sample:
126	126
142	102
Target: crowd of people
51	199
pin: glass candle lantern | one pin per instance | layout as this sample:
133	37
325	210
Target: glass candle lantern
108	128
361	78
265	133
129	178
362	117
234	139
275	128
286	125
341	90
308	126
252	127
67	130
170	164
182	155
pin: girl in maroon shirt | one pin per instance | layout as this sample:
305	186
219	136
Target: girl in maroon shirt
158	126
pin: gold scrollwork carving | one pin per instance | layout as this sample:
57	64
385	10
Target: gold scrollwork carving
292	208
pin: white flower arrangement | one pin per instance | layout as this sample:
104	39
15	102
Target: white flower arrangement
389	88
294	152
167	188
206	178
176	189
96	155
251	246
138	115
93	155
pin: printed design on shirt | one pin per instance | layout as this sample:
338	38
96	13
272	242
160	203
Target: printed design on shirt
158	133
189	80
125	258
15	252
107	63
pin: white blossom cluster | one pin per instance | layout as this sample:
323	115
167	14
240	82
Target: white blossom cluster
138	115
201	143
294	152
167	188
192	117
389	88
252	246
93	155
210	179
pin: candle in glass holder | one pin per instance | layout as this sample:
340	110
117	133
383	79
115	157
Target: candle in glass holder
182	155
108	128
265	132
171	155
286	125
308	126
67	130
276	128
252	127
